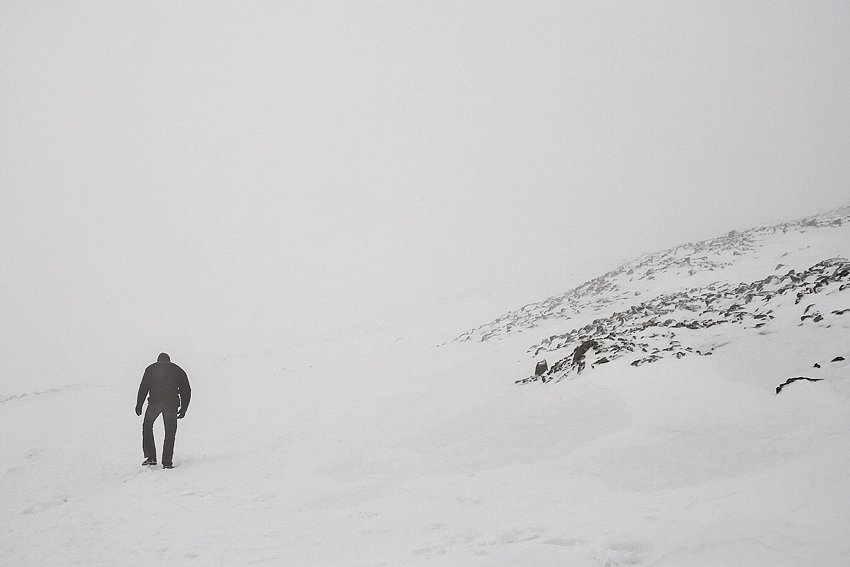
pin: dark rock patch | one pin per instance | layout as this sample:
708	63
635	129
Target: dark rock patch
541	368
649	328
790	380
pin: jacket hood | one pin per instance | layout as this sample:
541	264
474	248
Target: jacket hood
163	358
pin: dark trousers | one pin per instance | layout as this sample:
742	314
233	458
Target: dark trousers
169	418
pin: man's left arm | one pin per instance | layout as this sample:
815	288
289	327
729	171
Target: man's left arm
185	395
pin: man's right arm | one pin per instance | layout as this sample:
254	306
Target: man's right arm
144	388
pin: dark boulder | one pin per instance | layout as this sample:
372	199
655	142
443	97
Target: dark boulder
541	368
579	353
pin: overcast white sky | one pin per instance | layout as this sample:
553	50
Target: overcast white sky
206	177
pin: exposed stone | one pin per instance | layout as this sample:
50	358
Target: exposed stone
649	327
790	380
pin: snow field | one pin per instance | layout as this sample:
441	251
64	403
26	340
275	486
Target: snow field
378	447
371	462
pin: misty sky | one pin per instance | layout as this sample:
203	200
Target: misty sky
207	178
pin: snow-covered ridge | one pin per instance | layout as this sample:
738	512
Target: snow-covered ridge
619	287
686	300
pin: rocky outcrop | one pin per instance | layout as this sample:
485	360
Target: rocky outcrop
541	368
654	329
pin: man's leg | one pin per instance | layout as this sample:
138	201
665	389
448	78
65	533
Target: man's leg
169	418
148	445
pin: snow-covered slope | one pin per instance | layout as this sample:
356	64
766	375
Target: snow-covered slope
747	255
666	304
377	447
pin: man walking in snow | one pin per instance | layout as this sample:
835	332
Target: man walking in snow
167	388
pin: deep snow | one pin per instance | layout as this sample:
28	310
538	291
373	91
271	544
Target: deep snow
397	446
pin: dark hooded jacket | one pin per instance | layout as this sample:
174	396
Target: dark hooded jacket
167	385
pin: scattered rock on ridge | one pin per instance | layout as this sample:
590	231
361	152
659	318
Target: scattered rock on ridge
649	330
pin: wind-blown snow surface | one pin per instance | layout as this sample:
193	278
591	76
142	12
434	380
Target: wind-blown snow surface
381	448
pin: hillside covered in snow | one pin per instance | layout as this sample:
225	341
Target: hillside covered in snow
694	410
667	304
